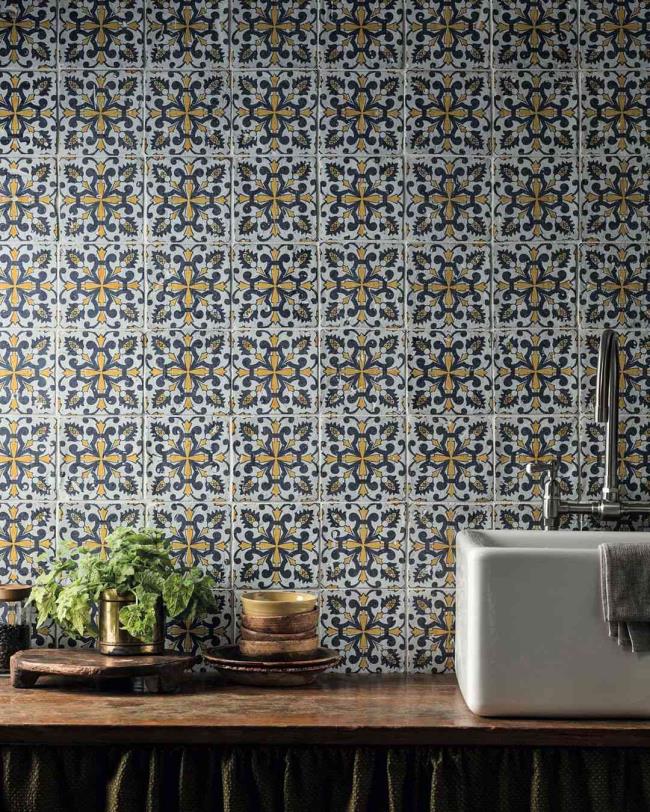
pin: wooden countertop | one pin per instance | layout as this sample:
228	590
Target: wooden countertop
379	710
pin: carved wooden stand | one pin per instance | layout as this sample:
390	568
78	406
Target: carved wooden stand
162	673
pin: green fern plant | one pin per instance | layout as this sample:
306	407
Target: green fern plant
139	564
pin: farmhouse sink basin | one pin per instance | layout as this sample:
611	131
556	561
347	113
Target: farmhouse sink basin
530	635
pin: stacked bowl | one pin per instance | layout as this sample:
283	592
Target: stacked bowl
279	625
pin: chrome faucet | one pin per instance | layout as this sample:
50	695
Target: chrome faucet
609	506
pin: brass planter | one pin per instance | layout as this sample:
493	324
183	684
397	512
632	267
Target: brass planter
113	639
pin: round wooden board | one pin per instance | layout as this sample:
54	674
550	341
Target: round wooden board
28	666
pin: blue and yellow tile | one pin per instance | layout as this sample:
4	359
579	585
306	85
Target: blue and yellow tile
363	459
536	199
448	198
27	458
28	35
274	112
28	285
188	199
100	457
275	199
276	546
361	112
274	33
101	199
614	34
199	535
633	458
361	198
615	112
367	628
100	113
529	517
361	34
614	286
27	540
88	524
633	370
615	198
536	113
188	286
101	33
448	286
207	631
275	286
275	459
101	286
100	372
188	458
450	459
450	373
362	285
187	371
188	113
536	371
535	285
28	199
27	118
363	546
531	33
187	34
432	541
523	440
362	371
431	630
448	34
275	372
27	377
448	113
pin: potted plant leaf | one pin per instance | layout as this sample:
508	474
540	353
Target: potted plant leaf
133	587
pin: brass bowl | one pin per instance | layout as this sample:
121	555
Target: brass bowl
277	603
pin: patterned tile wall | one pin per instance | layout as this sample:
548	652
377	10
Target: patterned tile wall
308	282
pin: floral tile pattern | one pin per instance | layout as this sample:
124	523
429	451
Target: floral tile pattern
363	459
432	541
362	371
100	113
450	373
276	546
361	34
274	112
450	459
27	120
306	283
535	285
275	372
361	112
363	546
448	285
189	285
431	631
275	285
444	33
367	628
614	286
448	113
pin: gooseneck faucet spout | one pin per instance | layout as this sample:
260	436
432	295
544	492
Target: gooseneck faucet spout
609	505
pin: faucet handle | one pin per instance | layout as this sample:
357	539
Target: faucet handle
550	469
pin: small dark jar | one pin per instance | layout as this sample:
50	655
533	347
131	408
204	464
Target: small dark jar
15	622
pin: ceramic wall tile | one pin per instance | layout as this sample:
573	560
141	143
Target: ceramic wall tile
101	33
28	35
614	286
358	34
614	34
615	198
186	34
28	199
616	112
27	539
633	365
274	33
431	624
633	458
448	34
88	524
27	371
27	458
214	628
28	285
530	33
28	113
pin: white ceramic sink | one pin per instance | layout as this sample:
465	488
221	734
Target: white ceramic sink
530	635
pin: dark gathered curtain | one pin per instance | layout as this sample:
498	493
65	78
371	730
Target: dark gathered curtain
310	779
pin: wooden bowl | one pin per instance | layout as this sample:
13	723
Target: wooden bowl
290	624
229	663
251	634
280	649
277	603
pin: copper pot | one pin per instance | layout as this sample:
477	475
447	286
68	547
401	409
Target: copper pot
113	639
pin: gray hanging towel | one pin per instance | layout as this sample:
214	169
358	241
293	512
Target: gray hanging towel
625	590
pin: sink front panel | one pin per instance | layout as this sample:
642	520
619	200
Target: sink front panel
530	634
